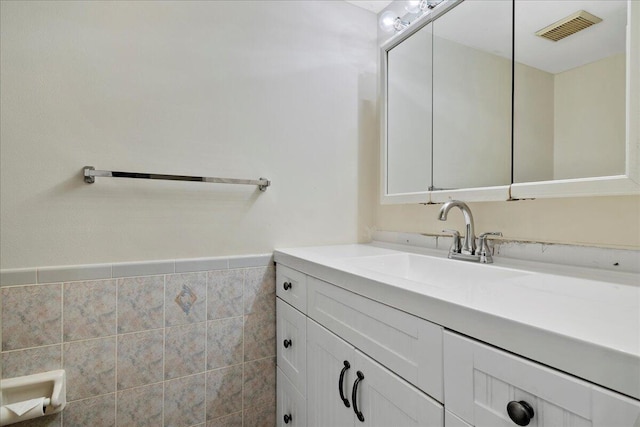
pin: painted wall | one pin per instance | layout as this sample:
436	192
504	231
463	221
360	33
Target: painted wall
283	90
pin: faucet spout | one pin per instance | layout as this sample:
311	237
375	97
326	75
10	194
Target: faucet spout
469	243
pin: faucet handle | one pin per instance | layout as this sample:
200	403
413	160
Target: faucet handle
483	247
455	245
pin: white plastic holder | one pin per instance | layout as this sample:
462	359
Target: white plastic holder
32	396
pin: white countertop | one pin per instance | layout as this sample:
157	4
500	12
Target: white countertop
582	321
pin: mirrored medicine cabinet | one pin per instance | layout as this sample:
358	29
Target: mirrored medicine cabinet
499	100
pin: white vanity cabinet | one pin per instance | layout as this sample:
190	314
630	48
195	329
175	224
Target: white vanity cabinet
480	381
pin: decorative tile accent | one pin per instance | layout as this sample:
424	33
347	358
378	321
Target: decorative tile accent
184	401
18	276
233	420
95	412
140	303
74	273
137	367
186	298
141	406
259	382
31	316
224	391
259	335
89	309
31	361
184	350
90	367
180	305
224	342
224	293
147	268
260	290
201	264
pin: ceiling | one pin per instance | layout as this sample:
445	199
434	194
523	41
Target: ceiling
374	6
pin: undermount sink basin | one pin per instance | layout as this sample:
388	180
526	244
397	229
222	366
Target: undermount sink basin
433	270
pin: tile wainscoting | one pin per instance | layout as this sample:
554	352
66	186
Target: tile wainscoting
154	344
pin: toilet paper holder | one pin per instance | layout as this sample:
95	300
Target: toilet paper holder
40	394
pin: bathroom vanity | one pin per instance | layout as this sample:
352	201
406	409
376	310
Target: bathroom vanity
387	335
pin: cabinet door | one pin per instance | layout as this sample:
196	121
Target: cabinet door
326	354
480	381
292	408
291	344
387	400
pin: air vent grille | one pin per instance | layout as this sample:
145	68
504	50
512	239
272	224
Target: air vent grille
568	26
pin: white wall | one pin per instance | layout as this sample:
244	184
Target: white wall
283	90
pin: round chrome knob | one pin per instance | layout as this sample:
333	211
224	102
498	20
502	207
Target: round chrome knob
520	412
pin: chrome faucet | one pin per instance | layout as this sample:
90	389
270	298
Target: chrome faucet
467	250
469	243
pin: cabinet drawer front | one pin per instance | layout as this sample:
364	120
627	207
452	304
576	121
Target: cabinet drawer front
295	284
291	344
481	380
290	404
407	345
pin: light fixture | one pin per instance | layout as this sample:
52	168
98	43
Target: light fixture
390	22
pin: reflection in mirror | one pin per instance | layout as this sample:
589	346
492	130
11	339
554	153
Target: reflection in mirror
409	115
472	69
569	97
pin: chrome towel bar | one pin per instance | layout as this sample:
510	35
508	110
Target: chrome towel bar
90	174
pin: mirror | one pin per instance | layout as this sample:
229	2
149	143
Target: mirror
472	59
570	94
409	114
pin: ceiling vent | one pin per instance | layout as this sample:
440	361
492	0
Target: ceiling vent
569	25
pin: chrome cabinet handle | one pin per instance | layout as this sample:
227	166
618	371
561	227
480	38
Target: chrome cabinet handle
354	394
520	412
287	343
286	286
347	365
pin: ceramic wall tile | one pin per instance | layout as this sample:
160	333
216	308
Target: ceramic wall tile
259	290
90	367
140	358
140	303
259	335
260	416
224	293
185	350
259	382
224	391
233	420
31	361
54	420
140	406
74	273
95	412
184	401
185	298
224	342
18	276
31	316
89	309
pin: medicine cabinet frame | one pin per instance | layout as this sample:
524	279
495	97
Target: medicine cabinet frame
627	184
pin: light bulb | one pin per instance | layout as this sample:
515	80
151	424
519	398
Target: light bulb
413	6
387	21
